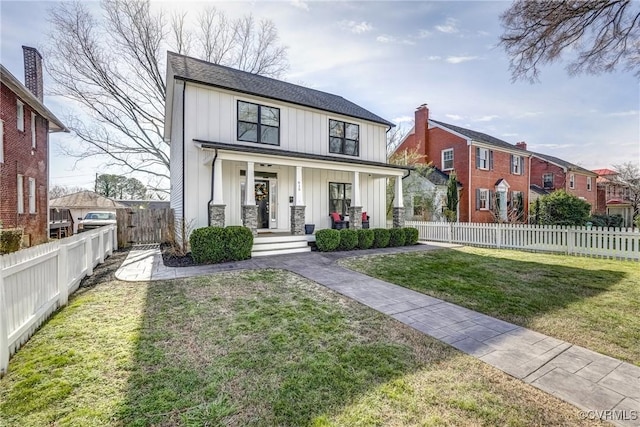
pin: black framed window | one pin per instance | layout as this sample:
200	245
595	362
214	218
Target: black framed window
344	138
339	197
258	123
547	180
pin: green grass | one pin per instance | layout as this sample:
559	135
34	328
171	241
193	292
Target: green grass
590	302
252	349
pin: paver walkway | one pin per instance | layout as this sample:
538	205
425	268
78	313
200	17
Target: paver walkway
601	386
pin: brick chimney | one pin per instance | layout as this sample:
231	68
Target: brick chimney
422	125
33	71
522	145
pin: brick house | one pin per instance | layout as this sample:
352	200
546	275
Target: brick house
493	173
551	173
25	124
614	197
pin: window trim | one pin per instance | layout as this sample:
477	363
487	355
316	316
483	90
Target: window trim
487	192
443	152
20	115
32	195
344	138
486	159
258	123
572	181
516	163
20	193
589	184
344	199
33	130
543	180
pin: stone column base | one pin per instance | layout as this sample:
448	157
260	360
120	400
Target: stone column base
355	217
250	218
297	220
398	217
216	215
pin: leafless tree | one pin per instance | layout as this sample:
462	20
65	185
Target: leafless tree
57	190
629	177
601	35
113	68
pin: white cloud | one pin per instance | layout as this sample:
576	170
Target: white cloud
486	118
460	59
450	26
624	113
300	4
403	119
453	116
434	58
356	27
385	38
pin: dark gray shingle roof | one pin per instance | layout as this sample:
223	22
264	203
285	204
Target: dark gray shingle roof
478	136
565	164
196	70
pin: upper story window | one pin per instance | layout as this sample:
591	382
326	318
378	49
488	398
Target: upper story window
344	138
258	123
517	165
588	183
20	115
572	181
484	158
547	180
447	159
33	130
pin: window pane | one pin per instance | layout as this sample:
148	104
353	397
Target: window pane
269	116
352	131
247	112
335	205
351	147
336	190
347	191
247	132
269	135
336	128
335	145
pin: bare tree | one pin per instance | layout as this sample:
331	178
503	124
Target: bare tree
113	68
57	190
602	34
629	177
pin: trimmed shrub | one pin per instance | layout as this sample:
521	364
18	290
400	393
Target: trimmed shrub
380	237
208	244
607	220
365	238
411	236
238	242
10	240
396	237
327	240
348	239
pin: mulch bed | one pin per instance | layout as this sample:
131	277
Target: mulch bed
171	259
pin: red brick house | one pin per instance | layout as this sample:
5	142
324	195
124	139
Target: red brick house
493	173
552	173
25	124
613	196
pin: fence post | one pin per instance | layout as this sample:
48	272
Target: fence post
4	333
114	238
63	275
450	233
101	246
570	239
498	236
88	250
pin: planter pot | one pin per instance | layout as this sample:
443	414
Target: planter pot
308	228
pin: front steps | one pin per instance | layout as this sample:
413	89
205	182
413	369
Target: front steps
278	245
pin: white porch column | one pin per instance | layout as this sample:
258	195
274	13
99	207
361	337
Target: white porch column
250	194
250	209
217	182
398	201
298	199
356	190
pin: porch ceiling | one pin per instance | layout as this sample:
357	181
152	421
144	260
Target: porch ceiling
290	158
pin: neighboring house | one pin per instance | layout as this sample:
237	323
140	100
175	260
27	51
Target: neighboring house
613	196
552	173
493	173
25	124
255	151
83	202
425	195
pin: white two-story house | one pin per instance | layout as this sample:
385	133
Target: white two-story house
301	153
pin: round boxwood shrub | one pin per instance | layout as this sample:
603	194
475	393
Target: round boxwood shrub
365	238
348	239
380	237
327	240
396	237
238	242
411	235
208	244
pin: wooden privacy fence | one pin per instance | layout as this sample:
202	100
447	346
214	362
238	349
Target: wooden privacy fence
619	243
141	226
34	282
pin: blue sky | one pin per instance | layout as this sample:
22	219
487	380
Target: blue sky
390	57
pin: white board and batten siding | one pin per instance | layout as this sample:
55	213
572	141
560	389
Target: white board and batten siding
34	282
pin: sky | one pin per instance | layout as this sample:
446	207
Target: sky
390	57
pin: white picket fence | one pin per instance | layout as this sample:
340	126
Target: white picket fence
618	243
34	282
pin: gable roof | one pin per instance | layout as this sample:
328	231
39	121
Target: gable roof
199	71
603	172
478	136
85	200
565	164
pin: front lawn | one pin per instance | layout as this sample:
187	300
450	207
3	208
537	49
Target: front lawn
253	348
586	301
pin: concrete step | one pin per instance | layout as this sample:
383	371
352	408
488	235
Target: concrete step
280	251
260	239
260	246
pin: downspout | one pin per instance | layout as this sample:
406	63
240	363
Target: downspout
213	162
470	186
184	91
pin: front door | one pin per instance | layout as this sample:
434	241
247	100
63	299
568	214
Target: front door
263	202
